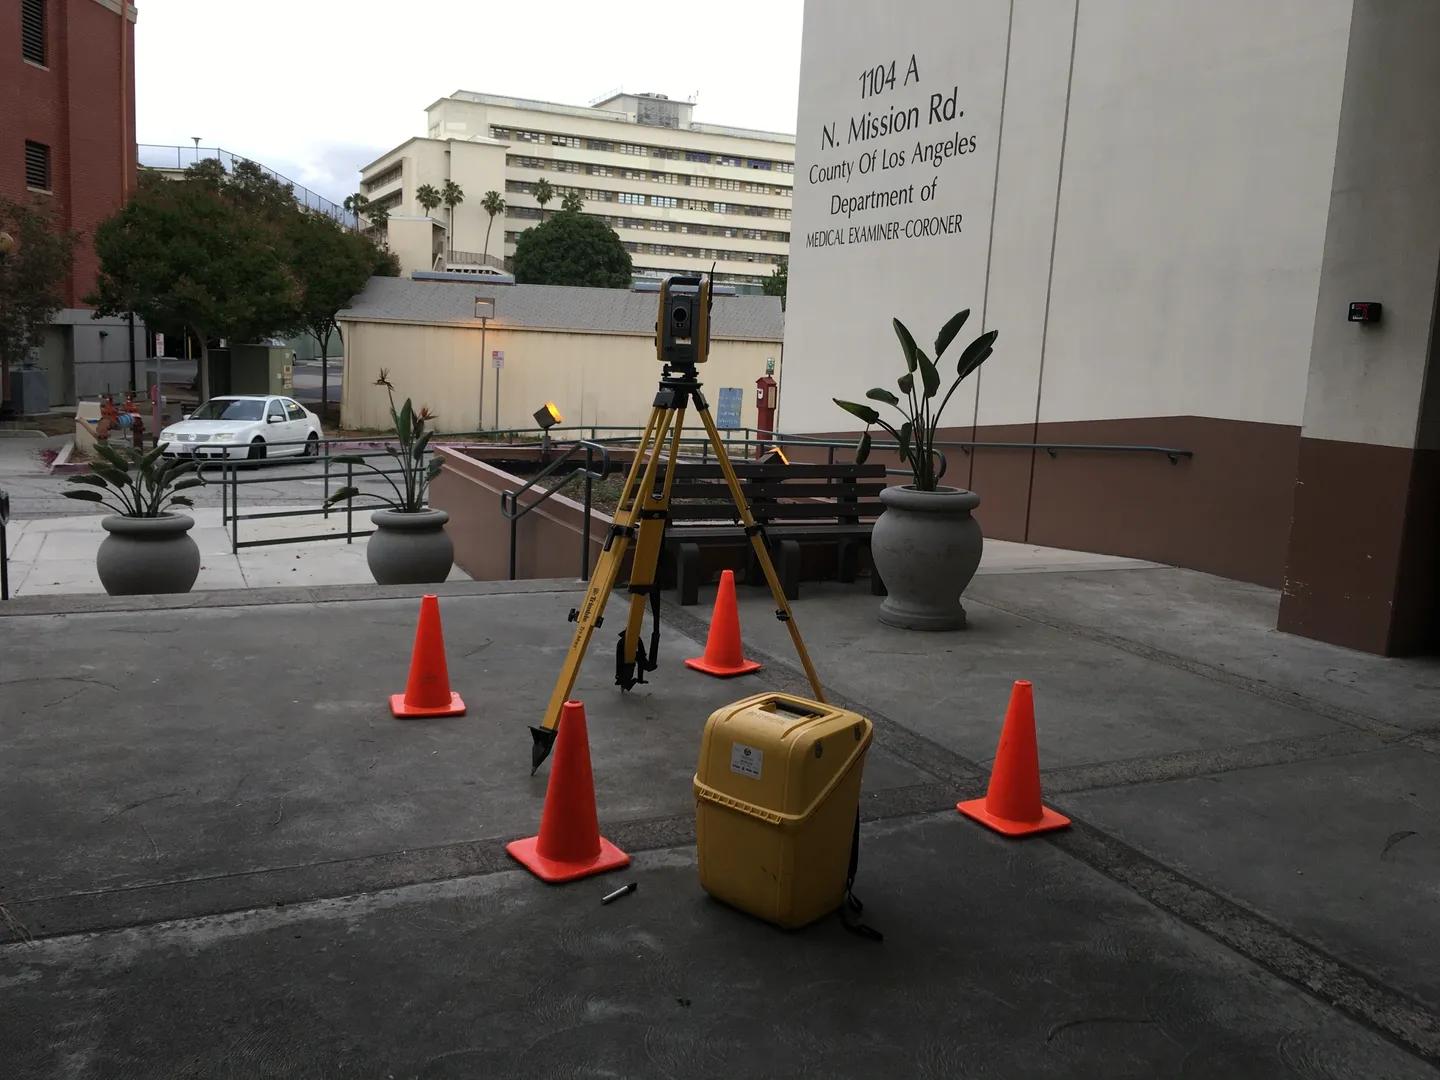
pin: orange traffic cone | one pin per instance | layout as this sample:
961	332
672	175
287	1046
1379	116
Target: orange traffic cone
427	693
569	845
1012	804
724	655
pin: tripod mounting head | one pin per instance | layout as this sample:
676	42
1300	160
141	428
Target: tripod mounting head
682	328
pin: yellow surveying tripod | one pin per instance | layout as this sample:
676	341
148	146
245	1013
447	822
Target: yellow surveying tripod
682	340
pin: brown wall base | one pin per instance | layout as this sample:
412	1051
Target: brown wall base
1226	511
1364	548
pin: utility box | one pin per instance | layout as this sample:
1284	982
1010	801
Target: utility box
262	369
776	798
29	390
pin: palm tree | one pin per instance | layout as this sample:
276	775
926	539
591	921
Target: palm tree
492	204
573	202
356	205
428	197
452	195
379	216
543	194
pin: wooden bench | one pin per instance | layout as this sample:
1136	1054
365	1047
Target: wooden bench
796	504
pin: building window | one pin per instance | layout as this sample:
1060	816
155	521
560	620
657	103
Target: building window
632	199
692	155
698	181
785	166
631	148
754	164
661	200
725	159
600	144
32	31
387	176
37	165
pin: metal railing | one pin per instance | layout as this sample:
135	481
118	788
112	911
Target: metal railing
330	474
512	511
182	157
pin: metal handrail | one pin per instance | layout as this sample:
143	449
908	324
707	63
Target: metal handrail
966	445
512	511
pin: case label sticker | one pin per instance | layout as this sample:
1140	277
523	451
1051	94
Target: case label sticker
746	760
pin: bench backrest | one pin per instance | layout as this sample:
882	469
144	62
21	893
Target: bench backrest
843	492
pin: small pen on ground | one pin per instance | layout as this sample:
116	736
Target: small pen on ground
609	898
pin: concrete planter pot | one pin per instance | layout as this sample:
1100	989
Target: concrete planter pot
926	547
410	549
147	555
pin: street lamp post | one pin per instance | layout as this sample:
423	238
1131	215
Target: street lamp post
484	311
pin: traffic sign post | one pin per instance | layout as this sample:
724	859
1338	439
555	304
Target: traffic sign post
497	361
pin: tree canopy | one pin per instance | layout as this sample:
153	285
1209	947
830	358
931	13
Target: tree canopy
229	255
778	282
31	276
572	249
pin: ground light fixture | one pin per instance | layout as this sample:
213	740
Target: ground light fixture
547	416
7	242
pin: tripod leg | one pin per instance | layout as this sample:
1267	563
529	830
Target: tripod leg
591	613
653	507
757	541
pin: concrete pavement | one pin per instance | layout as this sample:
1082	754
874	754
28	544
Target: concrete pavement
233	866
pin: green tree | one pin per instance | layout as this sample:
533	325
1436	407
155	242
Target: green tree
452	195
492	204
32	272
544	192
428	197
379	217
572	202
184	254
356	205
572	249
331	265
778	282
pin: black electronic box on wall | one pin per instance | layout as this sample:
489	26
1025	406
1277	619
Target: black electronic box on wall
1366	311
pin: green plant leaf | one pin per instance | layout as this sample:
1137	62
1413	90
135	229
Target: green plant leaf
188	482
90	479
153	455
906	383
881	394
84	496
862	451
929	374
106	451
420	445
906	342
180	500
907	431
863	412
341	495
435	468
114	476
948	332
976	353
347	459
407	419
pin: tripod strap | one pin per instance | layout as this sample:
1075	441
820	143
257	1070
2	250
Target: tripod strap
852	902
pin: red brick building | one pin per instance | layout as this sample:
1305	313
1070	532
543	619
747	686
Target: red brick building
67	132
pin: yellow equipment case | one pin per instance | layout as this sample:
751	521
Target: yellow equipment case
776	798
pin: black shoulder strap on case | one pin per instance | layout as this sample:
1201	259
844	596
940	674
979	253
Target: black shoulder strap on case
852	902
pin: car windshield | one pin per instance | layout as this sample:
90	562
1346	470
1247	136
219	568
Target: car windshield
230	409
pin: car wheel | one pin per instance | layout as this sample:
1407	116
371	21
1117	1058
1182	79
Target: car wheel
257	449
312	445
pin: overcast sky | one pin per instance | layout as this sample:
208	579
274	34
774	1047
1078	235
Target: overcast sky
316	88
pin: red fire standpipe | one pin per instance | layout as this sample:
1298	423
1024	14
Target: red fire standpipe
766	398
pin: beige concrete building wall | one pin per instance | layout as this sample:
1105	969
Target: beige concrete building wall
1164	207
600	380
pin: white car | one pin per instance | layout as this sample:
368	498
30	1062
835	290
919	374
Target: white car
252	426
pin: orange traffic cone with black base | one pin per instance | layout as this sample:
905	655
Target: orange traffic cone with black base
427	692
569	845
1012	805
724	655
